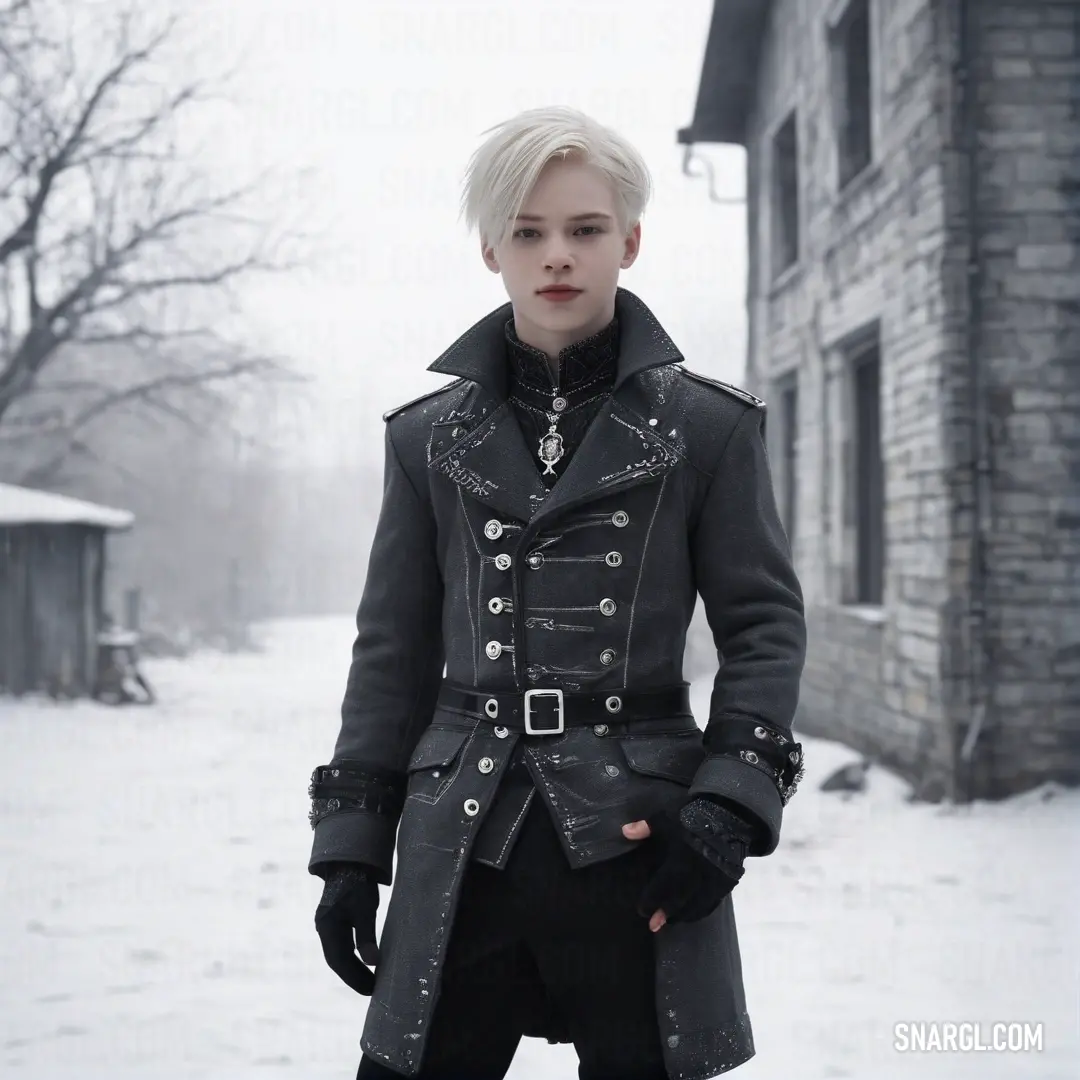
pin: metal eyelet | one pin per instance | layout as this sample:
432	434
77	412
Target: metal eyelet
472	807
495	605
611	770
749	755
613	558
501	732
491	707
613	704
760	733
600	729
485	765
620	519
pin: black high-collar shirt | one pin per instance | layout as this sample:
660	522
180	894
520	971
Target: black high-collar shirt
586	376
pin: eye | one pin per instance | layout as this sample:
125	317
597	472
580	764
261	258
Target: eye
592	227
525	230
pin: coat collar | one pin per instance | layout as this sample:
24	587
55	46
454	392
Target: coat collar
492	462
480	353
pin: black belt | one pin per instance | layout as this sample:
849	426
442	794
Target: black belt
550	712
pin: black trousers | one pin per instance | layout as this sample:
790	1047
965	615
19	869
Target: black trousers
538	932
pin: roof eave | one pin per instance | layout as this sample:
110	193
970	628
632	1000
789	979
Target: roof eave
729	71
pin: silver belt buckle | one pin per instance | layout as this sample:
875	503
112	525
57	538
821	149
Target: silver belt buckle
529	729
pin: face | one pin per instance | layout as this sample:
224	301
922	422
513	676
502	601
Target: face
567	234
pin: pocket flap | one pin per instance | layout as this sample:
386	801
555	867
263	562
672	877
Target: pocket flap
437	746
673	757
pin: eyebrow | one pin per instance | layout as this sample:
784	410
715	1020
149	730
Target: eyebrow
595	216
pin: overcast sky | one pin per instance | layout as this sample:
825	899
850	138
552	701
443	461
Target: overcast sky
379	105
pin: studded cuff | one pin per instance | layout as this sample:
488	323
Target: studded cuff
760	746
351	787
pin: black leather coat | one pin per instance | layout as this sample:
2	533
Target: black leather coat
668	497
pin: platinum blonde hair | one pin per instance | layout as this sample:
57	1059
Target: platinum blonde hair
503	170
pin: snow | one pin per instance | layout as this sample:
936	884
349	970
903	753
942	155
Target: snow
157	912
28	506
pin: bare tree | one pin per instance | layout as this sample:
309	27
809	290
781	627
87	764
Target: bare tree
117	257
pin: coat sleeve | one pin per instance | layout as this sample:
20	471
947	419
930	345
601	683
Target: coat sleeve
754	606
394	678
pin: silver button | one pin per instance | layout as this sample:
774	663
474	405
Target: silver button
485	764
472	807
652	422
607	607
495	605
607	656
613	704
760	733
502	562
559	404
436	773
620	519
493	650
611	770
501	732
535	560
493	529
491	707
613	558
600	729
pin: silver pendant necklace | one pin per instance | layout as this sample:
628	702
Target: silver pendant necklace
551	444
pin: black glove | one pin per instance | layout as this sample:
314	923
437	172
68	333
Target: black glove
705	845
347	911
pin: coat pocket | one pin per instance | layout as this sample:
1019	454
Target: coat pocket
435	762
670	757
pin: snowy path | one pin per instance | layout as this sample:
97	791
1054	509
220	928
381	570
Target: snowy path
156	912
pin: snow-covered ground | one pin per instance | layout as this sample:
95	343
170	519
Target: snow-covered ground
156	914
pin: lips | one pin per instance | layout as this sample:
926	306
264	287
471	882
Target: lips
559	292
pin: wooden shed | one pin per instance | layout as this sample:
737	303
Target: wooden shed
52	578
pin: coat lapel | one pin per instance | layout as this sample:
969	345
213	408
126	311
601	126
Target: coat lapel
492	463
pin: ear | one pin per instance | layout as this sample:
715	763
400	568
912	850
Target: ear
488	254
632	245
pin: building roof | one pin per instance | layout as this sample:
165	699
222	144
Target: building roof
728	72
28	506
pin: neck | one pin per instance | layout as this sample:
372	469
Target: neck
553	342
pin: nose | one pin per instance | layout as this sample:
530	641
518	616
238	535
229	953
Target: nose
557	256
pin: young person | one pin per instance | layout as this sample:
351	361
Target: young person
567	836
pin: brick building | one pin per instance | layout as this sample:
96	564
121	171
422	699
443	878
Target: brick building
913	198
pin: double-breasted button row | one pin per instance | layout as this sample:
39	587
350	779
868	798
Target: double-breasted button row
535	559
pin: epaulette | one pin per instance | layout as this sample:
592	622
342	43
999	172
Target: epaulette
742	395
423	397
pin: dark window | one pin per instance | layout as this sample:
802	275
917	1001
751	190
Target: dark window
785	157
868	475
850	41
789	441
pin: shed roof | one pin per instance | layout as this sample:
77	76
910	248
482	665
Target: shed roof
28	506
728	73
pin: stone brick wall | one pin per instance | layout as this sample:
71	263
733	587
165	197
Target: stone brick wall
1025	319
949	263
871	254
